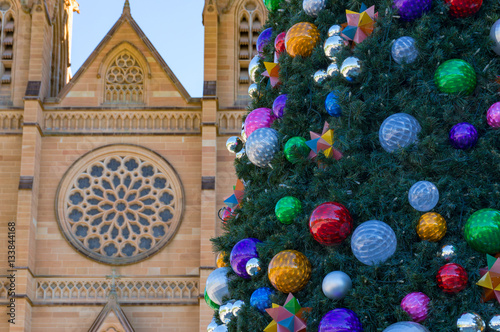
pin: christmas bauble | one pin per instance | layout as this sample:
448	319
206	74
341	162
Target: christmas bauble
237	307
261	146
332	105
332	46
431	227
464	8
494	323
221	328
212	326
287	209
336	285
373	242
416	306
296	149
258	118
313	7
253	267
289	271
463	136
261	298
226	214
448	252
495	36
220	260
423	196
279	43
406	327
332	69
209	302
482	231
264	39
243	135
243	251
226	312
279	106
351	68
340	320
471	322
493	115
217	283
234	144
253	88
330	223
272	5
301	39
398	131
240	154
452	278
455	76
320	76
404	50
253	66
412	9
334	30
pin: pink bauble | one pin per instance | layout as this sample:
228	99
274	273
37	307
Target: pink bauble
493	115
416	305
258	118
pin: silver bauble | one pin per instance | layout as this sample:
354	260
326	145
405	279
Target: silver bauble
351	68
313	7
494	323
212	326
237	307
234	144
320	76
398	131
495	36
253	266
240	154
253	88
404	50
261	146
406	327
334	30
252	68
332	46
336	285
217	284
423	196
221	328
243	134
332	69
448	252
226	313
470	322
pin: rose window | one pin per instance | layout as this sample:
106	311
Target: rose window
119	204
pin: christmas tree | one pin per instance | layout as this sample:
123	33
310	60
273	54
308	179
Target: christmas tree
364	167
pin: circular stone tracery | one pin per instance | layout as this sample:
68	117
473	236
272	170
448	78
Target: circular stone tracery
119	204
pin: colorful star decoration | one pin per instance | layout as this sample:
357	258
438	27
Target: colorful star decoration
234	200
287	318
359	25
273	72
490	280
323	143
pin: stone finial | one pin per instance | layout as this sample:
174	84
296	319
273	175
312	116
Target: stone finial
126	7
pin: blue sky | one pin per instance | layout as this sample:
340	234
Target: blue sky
173	26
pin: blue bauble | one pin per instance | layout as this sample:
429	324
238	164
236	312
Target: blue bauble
332	105
261	298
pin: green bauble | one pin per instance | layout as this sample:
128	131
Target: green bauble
296	149
287	209
272	4
455	76
482	231
211	303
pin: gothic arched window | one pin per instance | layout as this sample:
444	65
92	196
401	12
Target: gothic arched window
7	41
124	81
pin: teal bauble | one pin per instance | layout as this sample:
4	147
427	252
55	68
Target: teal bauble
272	4
287	209
455	76
482	231
211	304
296	149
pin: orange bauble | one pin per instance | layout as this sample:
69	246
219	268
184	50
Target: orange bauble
220	260
431	227
289	271
301	39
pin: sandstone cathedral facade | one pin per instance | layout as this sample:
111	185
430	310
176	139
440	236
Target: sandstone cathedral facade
110	180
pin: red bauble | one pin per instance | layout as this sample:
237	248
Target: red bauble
226	214
452	278
279	42
464	8
330	223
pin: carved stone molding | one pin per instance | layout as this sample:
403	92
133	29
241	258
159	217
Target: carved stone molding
11	122
229	122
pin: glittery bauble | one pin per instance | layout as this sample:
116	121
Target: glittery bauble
334	30
320	76
264	39
253	267
261	146
464	8
416	305
351	68
301	39
471	322
258	118
217	284
404	50
289	271
296	149
226	312
332	105
494	323
272	4
220	260
287	209
336	285
423	196
253	66
221	328
406	327
253	88
279	106
398	131
332	46
243	251
373	242
412	9
431	227
210	303
330	223
452	278
313	7
234	144
332	69
279	43
261	299
455	76
463	136
493	115
448	252
495	36
340	320
482	231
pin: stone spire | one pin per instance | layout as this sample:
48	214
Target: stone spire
126	8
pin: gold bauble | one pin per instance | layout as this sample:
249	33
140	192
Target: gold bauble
289	271
220	260
301	39
431	227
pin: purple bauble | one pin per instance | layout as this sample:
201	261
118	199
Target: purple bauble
463	136
258	118
242	252
412	9
416	305
340	320
279	105
493	115
264	39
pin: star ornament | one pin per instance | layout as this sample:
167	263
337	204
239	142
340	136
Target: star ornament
273	72
490	280
359	25
323	143
235	199
287	318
